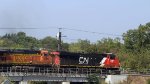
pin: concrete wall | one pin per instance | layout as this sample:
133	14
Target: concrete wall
58	82
115	79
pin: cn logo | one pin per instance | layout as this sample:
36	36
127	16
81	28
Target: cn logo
83	60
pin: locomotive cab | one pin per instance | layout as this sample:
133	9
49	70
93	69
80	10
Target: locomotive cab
44	53
110	61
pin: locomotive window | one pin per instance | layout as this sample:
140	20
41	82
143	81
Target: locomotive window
112	56
46	54
104	55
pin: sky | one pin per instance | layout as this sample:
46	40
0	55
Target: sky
77	18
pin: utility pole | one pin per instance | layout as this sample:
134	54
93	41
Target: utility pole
59	39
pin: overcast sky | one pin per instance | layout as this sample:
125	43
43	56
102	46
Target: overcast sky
109	17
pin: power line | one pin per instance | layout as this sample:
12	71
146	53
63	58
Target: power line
99	33
18	28
70	39
92	32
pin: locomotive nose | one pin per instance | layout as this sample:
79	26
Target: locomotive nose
102	62
110	61
56	60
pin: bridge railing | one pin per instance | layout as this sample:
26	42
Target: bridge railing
130	71
48	71
20	71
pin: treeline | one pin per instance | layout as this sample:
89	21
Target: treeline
133	51
21	41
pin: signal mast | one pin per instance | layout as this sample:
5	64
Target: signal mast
59	39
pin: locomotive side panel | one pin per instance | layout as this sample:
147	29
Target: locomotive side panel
69	59
2	59
39	60
79	59
24	57
19	59
90	59
36	60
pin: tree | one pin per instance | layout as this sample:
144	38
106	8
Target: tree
137	39
137	48
93	79
19	40
80	46
49	43
31	42
109	45
65	46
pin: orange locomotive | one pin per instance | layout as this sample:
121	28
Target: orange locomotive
27	57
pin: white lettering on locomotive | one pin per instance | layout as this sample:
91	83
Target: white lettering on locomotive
83	60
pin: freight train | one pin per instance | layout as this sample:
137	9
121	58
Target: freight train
59	59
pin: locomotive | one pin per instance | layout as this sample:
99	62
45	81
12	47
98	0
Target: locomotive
107	60
26	58
59	59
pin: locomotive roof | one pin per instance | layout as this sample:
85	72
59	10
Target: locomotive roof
2	51
19	51
63	53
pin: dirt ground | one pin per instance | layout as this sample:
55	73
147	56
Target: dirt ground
1	79
137	80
